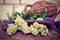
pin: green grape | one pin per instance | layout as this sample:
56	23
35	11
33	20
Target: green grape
41	28
23	26
36	25
11	29
18	21
47	31
41	25
44	32
24	29
39	19
33	30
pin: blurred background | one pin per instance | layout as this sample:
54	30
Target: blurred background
19	5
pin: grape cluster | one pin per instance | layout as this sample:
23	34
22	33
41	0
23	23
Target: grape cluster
5	24
23	26
12	25
35	28
41	28
24	29
11	29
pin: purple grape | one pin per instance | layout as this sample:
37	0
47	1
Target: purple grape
5	24
48	19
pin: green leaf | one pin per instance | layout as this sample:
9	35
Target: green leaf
31	18
30	15
15	13
28	18
8	15
34	16
43	14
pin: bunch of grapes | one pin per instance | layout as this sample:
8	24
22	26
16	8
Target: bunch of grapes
24	29
12	29
33	30
19	21
12	25
44	31
23	26
41	28
5	24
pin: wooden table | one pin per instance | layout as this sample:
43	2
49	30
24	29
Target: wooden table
53	35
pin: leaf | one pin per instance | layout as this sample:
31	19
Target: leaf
43	14
19	14
15	13
8	15
34	16
31	15
28	18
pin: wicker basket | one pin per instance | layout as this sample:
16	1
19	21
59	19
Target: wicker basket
37	7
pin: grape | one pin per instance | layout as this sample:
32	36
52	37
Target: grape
12	25
23	26
11	20
25	29
40	19
12	29
40	27
48	19
5	24
44	32
36	25
33	30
